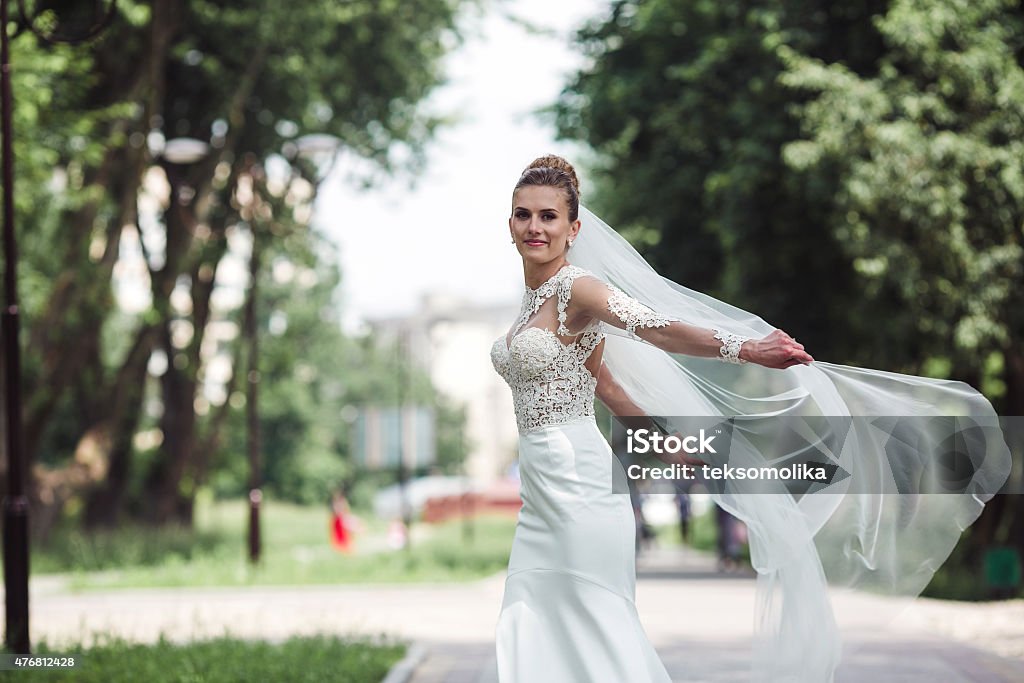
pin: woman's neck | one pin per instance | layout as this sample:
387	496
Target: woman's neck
537	274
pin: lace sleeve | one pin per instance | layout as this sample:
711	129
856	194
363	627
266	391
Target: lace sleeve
634	314
731	344
614	307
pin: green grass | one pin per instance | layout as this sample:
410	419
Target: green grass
703	535
225	660
296	551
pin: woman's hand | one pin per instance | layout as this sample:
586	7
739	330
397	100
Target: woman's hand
682	457
777	350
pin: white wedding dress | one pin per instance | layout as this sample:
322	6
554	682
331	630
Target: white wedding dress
884	526
568	613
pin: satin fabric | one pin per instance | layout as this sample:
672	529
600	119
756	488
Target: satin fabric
568	612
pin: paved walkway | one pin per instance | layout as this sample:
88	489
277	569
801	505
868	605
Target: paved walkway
689	611
693	615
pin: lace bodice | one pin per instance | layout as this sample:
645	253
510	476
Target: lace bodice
549	379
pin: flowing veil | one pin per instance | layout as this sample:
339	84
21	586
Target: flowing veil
878	527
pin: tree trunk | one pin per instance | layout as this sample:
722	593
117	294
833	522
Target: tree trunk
82	296
104	505
178	424
213	439
172	489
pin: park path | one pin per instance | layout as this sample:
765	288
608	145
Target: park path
687	608
689	611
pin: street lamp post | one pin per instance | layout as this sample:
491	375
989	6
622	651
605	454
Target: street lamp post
403	469
308	146
15	503
320	148
254	438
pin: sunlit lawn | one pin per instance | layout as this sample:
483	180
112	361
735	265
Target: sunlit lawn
703	534
296	550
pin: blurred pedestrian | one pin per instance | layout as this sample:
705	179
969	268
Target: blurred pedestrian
730	540
343	524
646	536
683	506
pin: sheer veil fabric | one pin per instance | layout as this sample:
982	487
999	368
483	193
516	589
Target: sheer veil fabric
858	533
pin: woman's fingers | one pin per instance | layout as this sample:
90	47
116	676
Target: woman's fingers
784	351
801	358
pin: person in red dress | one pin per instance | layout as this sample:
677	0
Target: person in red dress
341	523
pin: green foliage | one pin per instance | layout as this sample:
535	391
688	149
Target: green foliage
963	577
852	172
356	70
930	157
296	551
251	79
682	104
129	546
452	443
312	377
703	535
225	660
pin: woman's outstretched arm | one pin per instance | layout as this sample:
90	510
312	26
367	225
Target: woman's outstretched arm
596	299
614	397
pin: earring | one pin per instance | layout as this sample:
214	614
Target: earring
570	243
513	240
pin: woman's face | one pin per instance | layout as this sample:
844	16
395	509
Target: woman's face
540	223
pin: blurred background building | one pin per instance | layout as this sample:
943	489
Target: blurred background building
450	339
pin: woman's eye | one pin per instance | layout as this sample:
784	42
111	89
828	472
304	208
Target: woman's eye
549	217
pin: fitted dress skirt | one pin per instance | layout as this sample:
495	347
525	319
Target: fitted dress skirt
568	614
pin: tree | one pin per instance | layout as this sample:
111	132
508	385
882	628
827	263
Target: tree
930	205
312	377
682	105
929	153
849	171
248	78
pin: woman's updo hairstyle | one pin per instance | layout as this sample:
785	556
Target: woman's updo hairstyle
554	171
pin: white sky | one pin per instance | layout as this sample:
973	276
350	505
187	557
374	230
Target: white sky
450	232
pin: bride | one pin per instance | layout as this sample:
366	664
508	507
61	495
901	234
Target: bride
568	612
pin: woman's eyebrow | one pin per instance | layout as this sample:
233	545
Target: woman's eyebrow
523	208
